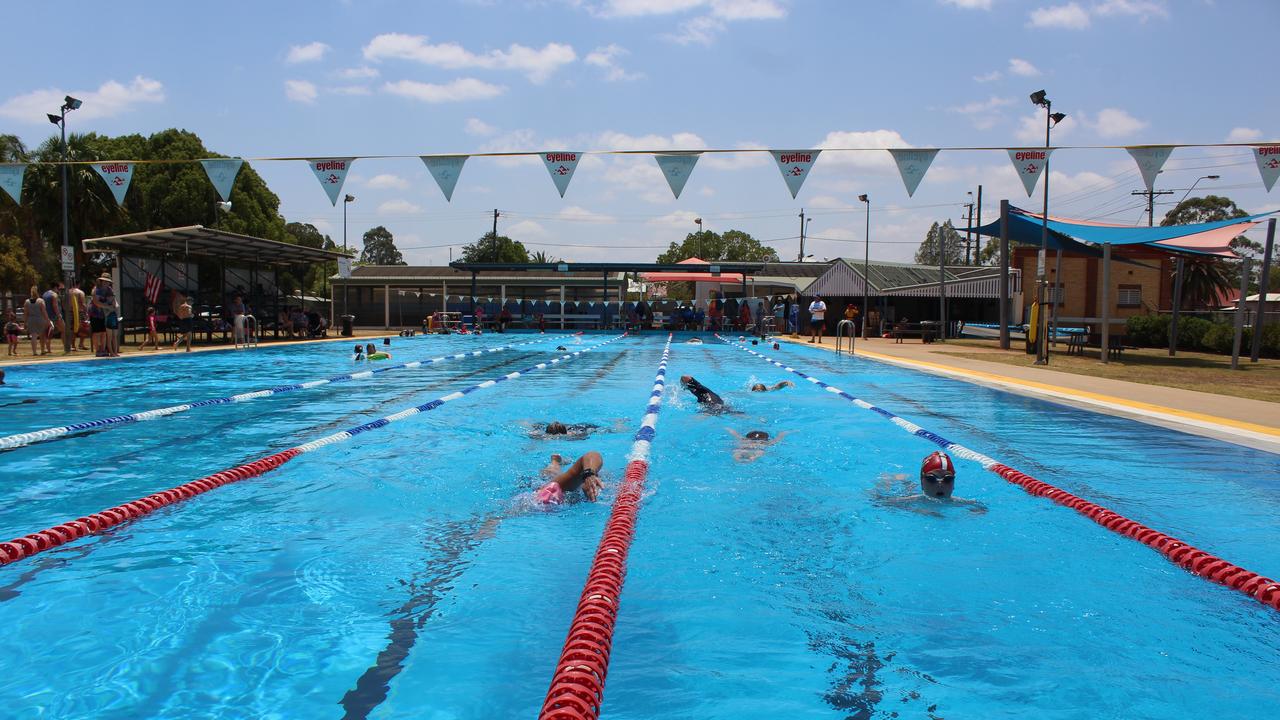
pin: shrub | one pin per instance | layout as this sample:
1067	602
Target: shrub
1218	338
1191	332
1147	330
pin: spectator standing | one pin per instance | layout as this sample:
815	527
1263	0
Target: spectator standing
182	309
36	315
11	330
239	313
851	314
780	315
817	319
794	323
102	300
153	336
79	319
53	307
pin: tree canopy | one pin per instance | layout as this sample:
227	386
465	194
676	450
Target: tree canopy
732	246
951	242
483	250
1211	208
380	248
1205	281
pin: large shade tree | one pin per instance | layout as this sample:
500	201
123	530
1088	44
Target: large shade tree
380	248
731	246
489	250
945	236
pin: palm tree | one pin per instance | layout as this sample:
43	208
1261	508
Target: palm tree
542	258
1205	282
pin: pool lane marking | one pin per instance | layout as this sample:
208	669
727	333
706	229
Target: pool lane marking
1185	555
10	442
577	687
28	545
1137	407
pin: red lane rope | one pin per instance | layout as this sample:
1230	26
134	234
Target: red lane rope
29	545
577	689
1188	557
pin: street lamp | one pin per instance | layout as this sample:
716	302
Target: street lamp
1193	187
698	221
866	265
347	199
1050	119
69	268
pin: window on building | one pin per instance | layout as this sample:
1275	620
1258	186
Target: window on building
1054	294
1129	296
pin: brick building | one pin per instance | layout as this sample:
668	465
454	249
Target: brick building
1141	283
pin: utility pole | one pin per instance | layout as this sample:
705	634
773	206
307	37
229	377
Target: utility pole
495	234
968	236
800	258
1151	203
977	239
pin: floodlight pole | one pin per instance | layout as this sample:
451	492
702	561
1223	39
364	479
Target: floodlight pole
1042	346
866	268
70	273
1263	282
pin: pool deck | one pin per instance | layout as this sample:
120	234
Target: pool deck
132	351
1254	423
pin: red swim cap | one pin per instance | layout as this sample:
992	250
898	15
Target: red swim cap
938	463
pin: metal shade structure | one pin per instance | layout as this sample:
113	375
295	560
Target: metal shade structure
197	240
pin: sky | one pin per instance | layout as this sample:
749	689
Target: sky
334	78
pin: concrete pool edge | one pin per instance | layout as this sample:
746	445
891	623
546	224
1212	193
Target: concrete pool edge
1260	437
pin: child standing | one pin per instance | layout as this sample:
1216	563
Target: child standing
11	330
152	336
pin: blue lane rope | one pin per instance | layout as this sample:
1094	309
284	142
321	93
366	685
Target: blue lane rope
432	405
649	425
952	447
38	436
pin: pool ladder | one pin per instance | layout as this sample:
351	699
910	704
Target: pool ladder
841	327
250	333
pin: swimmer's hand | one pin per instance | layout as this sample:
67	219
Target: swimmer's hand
591	487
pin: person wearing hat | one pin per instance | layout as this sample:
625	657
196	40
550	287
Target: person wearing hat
101	306
817	319
937	482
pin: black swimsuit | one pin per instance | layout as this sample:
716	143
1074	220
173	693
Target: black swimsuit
703	393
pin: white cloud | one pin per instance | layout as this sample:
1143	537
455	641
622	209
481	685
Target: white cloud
525	230
606	58
398	207
738	160
1018	66
988	77
1031	128
862	139
387	181
680	219
722	9
969	4
827	202
1142	9
460	90
982	112
747	10
577	214
349	90
306	53
521	140
638	8
110	99
611	140
537	64
479	128
1070	16
701	30
300	91
364	72
1116	123
1244	134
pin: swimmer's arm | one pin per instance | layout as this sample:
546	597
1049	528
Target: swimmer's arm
778	438
903	499
782	384
733	432
975	506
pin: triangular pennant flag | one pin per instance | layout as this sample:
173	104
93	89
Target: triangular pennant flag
222	173
331	172
561	166
795	166
118	175
1150	159
912	165
1268	157
677	168
11	180
1030	163
446	169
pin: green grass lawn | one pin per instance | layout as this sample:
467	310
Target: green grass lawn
1188	370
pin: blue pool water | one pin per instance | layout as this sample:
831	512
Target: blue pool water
398	575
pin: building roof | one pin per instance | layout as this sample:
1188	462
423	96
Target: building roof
844	279
211	242
436	274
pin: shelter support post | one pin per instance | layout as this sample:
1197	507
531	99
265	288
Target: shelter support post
1004	274
473	299
942	285
1058	289
386	307
1106	303
1259	318
444	296
604	307
1177	307
562	306
1244	288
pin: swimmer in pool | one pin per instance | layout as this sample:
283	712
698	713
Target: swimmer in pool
937	481
583	474
562	348
693	341
555	429
775	346
761	387
359	353
752	445
704	394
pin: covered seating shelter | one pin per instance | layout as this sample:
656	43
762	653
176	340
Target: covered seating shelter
209	264
1198	239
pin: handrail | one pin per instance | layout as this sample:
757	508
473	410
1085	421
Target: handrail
853	334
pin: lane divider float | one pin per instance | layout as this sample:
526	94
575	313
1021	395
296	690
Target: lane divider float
577	688
1182	554
9	442
28	545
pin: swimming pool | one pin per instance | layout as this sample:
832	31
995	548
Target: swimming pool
396	574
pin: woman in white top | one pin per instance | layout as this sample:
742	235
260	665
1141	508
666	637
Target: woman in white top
36	317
